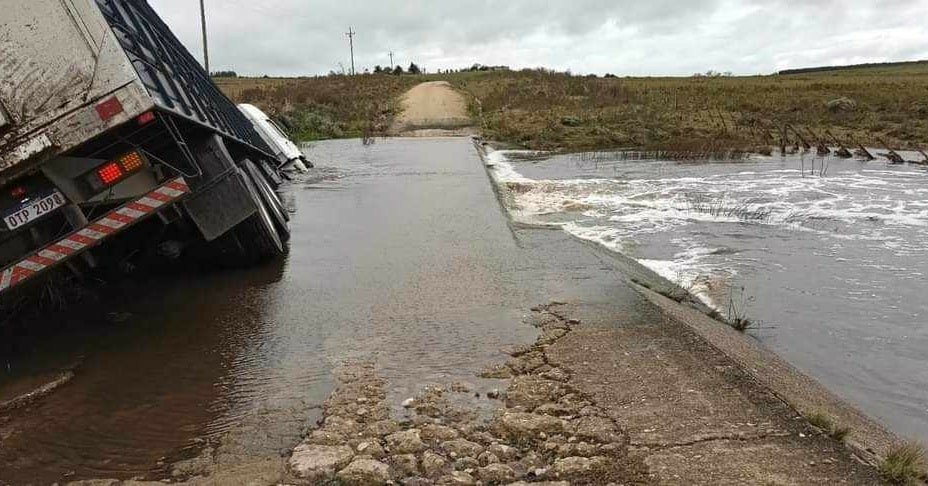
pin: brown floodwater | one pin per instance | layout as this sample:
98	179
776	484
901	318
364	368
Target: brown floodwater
400	255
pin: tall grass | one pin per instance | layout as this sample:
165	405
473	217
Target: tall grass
325	107
904	464
547	110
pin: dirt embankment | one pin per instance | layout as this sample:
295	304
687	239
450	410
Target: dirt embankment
432	109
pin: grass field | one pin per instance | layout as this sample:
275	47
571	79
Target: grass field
556	111
324	107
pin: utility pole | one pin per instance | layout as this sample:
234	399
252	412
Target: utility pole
350	35
205	48
391	60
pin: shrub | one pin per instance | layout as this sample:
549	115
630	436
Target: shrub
904	463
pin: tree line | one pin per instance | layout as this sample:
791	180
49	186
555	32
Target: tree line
398	70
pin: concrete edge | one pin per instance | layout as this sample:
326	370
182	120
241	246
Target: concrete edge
869	439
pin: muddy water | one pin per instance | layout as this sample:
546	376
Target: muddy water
830	268
400	254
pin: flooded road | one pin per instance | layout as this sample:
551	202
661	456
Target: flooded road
830	268
400	254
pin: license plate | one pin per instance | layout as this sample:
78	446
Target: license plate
32	210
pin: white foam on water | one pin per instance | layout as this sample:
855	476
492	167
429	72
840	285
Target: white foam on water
874	206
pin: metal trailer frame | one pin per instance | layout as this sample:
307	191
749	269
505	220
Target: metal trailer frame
174	79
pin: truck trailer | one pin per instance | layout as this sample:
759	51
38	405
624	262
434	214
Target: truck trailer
113	140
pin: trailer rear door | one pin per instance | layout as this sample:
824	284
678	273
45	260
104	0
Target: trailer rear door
56	57
48	55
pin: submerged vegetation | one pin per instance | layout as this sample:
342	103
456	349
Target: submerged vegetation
542	109
757	210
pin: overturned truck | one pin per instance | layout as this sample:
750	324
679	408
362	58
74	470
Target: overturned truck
113	138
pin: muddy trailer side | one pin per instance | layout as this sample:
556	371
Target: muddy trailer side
114	141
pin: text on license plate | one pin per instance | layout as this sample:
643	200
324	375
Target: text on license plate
31	210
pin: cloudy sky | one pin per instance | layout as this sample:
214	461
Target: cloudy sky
625	37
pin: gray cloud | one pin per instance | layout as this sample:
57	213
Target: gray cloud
656	37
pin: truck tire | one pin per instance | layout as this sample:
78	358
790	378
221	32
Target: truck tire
272	202
270	173
253	240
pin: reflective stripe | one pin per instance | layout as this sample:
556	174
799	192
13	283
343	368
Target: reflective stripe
31	265
179	185
89	233
101	228
130	213
93	233
160	196
111	223
5	278
52	255
41	260
135	206
171	193
151	203
73	245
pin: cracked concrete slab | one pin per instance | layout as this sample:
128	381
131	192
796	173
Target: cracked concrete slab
692	415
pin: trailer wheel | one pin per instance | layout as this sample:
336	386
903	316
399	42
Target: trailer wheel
271	201
270	173
255	239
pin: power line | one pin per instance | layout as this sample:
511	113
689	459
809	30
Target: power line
350	35
391	60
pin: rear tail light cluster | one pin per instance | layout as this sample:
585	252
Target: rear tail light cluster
115	171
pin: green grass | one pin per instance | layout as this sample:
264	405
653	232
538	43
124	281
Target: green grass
904	464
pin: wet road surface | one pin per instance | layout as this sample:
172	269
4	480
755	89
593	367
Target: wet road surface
400	254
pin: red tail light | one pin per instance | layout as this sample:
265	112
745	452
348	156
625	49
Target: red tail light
109	173
18	192
115	171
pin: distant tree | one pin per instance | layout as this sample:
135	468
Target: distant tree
224	74
610	76
378	69
398	70
413	69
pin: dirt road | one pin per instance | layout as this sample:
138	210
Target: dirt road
433	109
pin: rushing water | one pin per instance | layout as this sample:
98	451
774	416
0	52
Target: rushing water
830	268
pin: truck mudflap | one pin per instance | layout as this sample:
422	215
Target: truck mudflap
93	234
